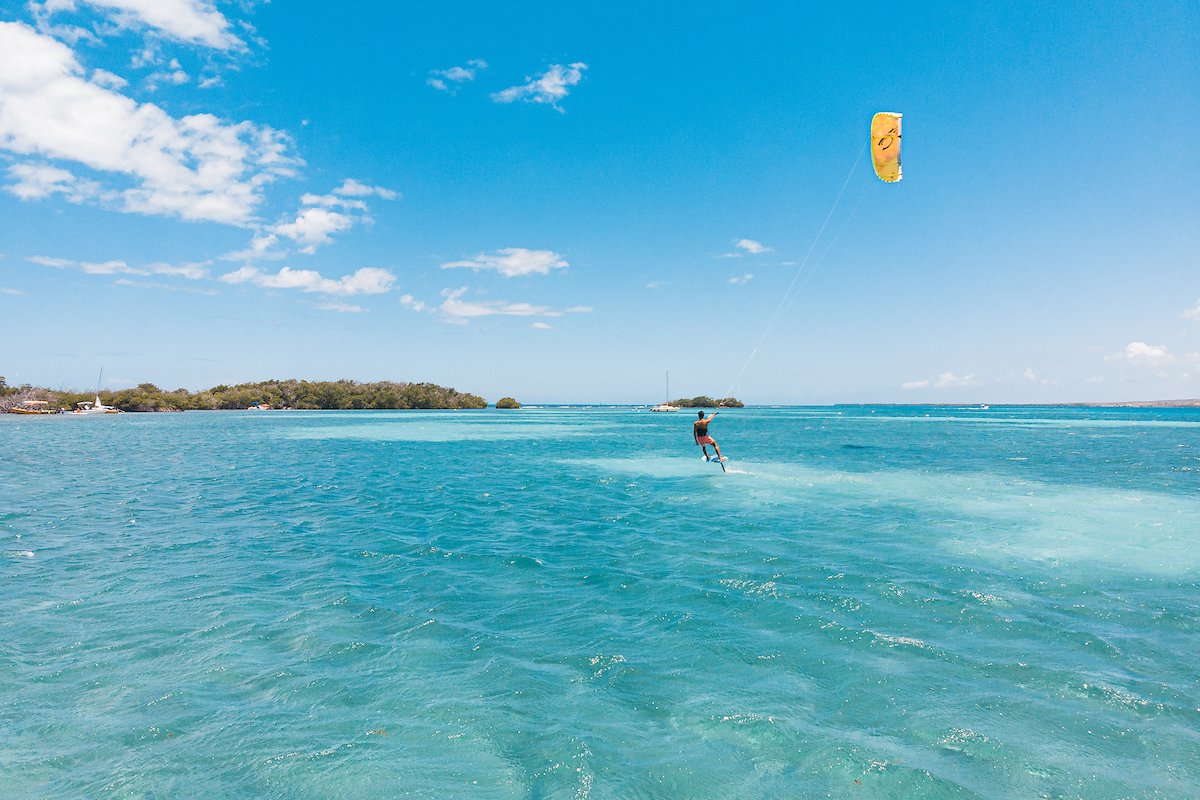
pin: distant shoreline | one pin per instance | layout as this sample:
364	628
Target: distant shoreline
1122	404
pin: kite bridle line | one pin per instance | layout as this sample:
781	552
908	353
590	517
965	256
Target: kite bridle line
792	289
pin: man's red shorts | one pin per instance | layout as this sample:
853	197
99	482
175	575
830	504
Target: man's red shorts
706	440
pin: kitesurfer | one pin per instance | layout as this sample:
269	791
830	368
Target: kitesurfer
700	434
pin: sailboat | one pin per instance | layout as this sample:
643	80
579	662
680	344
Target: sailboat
88	407
667	405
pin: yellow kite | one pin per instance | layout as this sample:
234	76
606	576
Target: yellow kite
885	145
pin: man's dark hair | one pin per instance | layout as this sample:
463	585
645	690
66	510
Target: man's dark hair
700	414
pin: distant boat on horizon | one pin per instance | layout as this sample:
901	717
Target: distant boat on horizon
666	406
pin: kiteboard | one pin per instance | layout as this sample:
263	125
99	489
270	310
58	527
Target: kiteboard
720	460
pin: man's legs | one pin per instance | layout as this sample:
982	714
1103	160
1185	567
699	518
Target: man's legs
717	447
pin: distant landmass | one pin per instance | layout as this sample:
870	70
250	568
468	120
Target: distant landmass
704	401
295	394
1141	404
1121	404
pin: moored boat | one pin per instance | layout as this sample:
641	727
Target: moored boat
667	406
89	407
33	407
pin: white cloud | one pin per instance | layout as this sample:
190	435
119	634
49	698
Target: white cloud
456	310
36	181
1192	313
192	272
313	227
109	80
10	291
742	278
1144	354
408	301
947	380
656	284
352	188
455	306
512	262
191	21
448	80
368	280
113	267
173	75
162	286
1032	377
340	307
332	201
259	249
197	167
542	326
315	222
751	246
548	88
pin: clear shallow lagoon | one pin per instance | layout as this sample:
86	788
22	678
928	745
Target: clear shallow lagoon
567	603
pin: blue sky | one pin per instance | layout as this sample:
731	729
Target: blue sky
564	204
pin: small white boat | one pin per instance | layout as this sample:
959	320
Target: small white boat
88	407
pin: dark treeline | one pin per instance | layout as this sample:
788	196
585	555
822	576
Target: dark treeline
707	402
343	394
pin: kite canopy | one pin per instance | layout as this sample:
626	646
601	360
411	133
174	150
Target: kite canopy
885	145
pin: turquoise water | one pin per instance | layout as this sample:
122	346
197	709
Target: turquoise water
569	603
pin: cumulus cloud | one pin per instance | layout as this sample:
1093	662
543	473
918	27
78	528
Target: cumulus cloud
313	227
1144	354
3	290
656	284
196	167
742	278
1192	313
191	21
542	326
319	217
548	88
946	380
194	272
36	181
368	280
512	262
448	80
